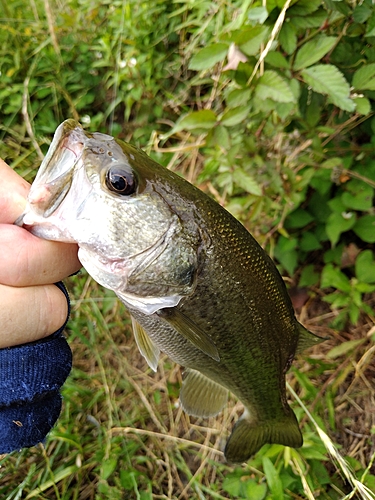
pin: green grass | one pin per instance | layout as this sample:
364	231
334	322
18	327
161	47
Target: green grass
122	433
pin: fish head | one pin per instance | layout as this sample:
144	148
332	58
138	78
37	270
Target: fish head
107	196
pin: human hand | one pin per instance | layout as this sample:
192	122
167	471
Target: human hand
32	307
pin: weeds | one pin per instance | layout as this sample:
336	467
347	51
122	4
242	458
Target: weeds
268	106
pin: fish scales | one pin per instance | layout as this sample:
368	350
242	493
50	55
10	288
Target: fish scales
196	283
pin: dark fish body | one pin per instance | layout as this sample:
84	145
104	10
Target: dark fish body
197	284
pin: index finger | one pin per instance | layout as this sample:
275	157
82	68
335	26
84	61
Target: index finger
13	194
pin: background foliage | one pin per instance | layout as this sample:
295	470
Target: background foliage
269	107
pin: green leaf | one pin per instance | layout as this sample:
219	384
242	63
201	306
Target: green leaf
327	79
313	51
203	119
208	56
365	267
332	277
252	39
257	15
288	38
235	116
338	223
308	276
304	7
246	182
365	228
364	78
277	60
361	13
273	479
362	105
358	196
344	348
272	86
254	490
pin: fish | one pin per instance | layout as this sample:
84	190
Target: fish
197	285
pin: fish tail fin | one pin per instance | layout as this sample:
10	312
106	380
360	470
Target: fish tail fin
249	436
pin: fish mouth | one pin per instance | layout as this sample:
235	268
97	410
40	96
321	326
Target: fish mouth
54	176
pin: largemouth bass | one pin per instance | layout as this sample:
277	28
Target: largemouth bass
196	283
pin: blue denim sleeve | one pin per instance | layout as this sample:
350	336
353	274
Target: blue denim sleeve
30	379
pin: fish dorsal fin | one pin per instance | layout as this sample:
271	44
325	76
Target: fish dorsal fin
190	331
146	346
307	339
201	396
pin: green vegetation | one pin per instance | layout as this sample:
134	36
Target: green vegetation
269	107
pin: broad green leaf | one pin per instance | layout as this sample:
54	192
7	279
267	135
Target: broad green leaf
365	228
238	97
272	86
327	79
304	7
288	38
257	15
234	116
358	196
365	267
252	40
254	490
208	56
246	182
312	51
314	20
332	277
298	218
338	223
277	60
364	78
308	276
203	119
273	479
362	105
344	348
361	13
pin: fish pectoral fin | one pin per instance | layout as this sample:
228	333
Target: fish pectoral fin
249	436
307	339
201	396
146	346
191	331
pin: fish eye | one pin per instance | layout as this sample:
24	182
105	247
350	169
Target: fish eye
120	181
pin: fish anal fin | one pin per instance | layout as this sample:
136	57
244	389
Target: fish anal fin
190	331
146	346
248	436
201	396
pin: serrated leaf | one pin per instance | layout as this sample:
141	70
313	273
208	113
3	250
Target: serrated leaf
327	79
365	267
208	56
234	116
203	119
365	228
364	78
312	51
272	86
246	182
